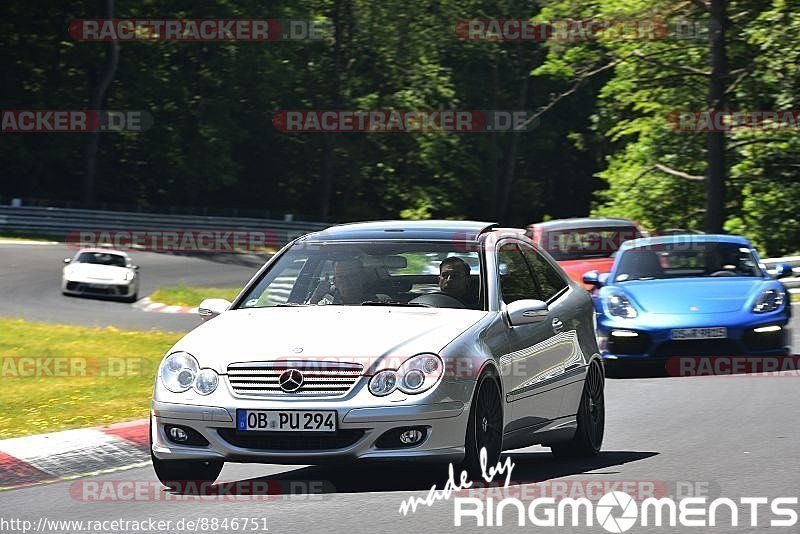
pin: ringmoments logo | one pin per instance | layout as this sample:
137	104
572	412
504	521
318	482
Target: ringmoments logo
618	511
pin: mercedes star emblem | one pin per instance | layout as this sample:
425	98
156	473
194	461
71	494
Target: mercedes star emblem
290	380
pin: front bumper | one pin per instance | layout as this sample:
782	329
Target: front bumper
648	339
361	420
100	288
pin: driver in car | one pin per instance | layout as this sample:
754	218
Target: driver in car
454	281
348	286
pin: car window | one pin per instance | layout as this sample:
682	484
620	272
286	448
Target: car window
580	243
516	282
686	260
549	280
101	258
375	273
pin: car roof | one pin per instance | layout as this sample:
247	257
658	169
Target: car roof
103	251
431	230
686	238
583	222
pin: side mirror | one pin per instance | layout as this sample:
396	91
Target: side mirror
67	260
781	270
210	308
135	267
526	311
592	278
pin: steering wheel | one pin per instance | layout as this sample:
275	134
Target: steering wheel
437	299
723	273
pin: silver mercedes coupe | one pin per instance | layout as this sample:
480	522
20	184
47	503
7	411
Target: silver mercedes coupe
346	347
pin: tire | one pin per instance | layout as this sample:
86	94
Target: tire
185	476
485	427
588	436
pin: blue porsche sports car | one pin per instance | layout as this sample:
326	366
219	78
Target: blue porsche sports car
688	295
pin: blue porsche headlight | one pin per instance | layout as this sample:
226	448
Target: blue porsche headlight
618	305
769	300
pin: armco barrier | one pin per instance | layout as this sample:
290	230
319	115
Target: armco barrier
60	222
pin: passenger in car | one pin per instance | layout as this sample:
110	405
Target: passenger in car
347	287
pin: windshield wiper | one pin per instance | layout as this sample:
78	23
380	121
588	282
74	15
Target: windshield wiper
392	303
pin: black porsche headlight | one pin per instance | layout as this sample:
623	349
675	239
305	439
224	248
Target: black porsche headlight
769	300
618	305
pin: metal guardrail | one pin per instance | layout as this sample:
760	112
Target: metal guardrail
60	222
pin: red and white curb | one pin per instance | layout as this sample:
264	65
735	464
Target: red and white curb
31	460
148	305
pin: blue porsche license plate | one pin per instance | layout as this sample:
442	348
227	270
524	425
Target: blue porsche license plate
716	332
286	420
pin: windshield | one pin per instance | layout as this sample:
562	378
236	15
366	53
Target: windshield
580	243
101	258
686	260
371	273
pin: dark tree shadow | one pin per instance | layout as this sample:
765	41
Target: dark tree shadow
530	467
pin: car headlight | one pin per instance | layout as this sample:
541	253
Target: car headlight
417	374
769	300
383	383
206	381
129	276
181	372
618	305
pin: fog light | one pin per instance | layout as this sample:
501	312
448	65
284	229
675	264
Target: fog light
762	329
624	333
178	434
409	437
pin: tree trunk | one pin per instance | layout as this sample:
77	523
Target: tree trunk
329	139
97	103
715	180
511	155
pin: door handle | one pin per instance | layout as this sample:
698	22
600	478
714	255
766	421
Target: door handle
557	325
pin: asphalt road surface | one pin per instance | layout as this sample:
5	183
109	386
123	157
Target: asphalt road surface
715	437
30	286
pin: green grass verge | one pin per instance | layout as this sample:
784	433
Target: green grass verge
191	296
94	376
795	297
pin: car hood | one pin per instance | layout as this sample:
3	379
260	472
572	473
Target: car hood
93	271
686	295
365	334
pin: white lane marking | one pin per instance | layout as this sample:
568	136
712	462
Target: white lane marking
26	242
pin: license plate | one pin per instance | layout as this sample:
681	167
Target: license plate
286	420
716	332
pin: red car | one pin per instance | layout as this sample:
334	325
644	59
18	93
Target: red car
586	244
